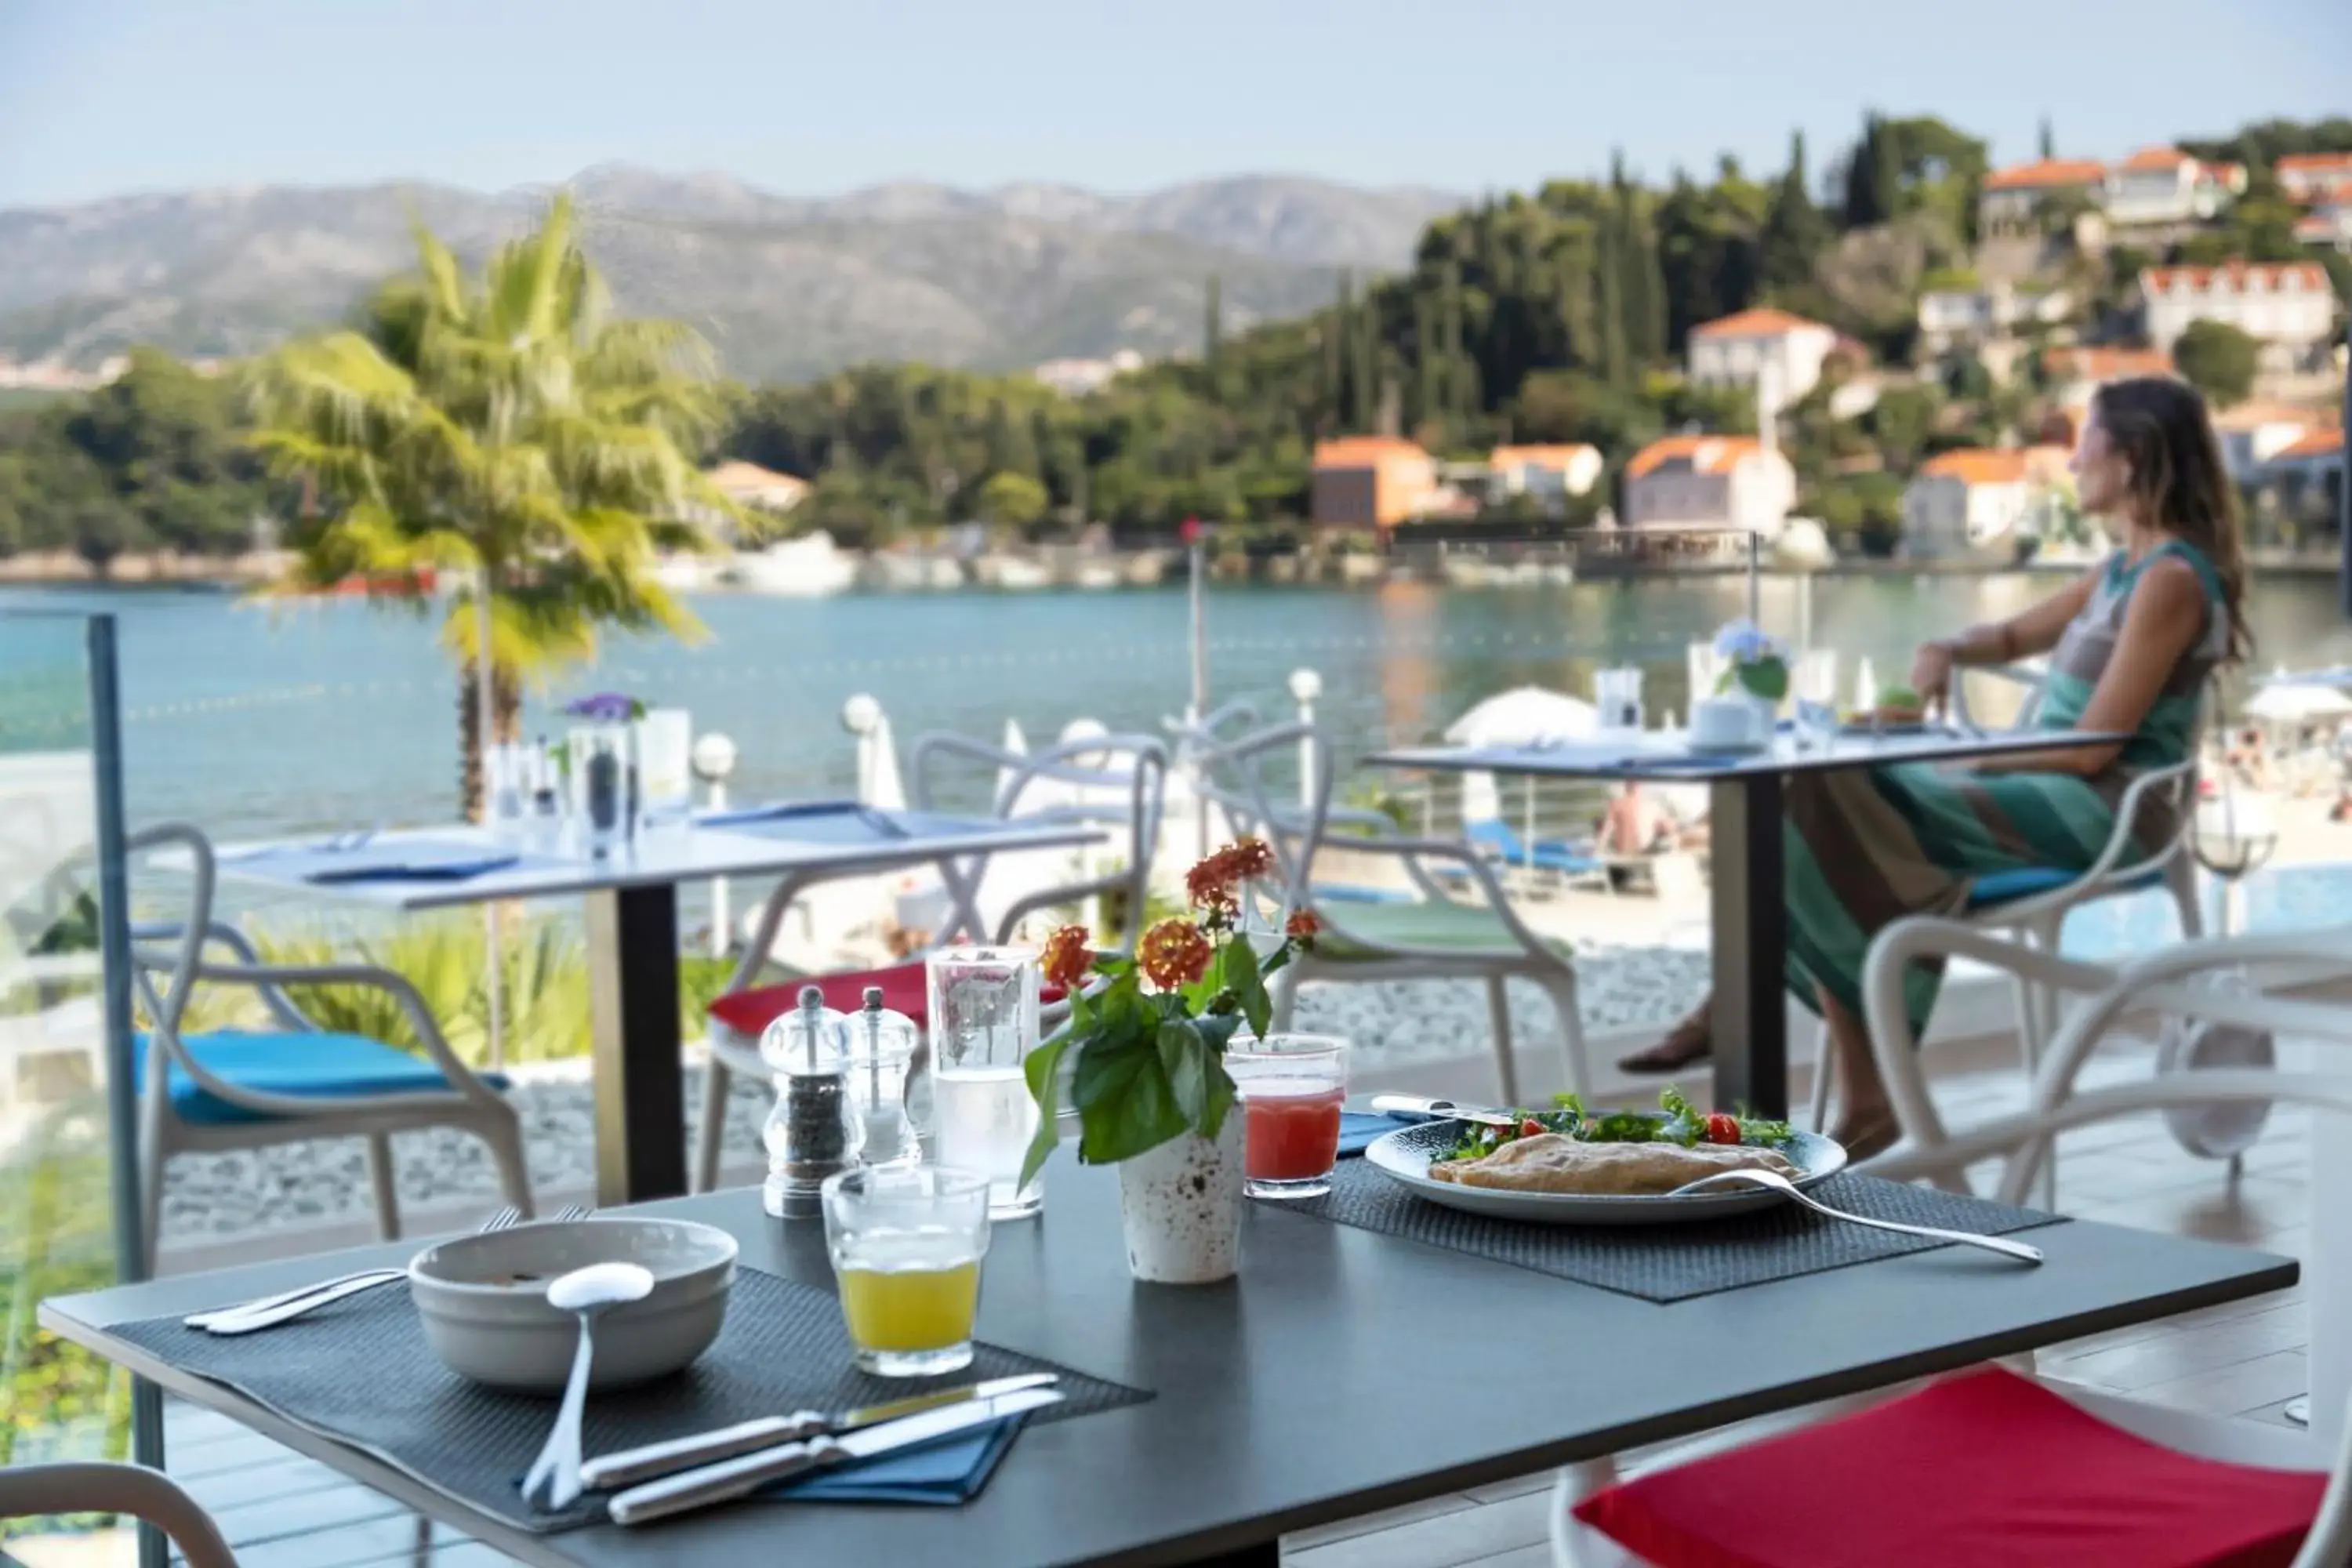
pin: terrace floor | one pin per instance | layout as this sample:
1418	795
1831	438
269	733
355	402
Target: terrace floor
2244	1359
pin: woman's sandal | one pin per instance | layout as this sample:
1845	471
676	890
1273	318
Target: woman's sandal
1687	1042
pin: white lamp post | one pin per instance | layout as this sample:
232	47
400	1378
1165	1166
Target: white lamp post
713	759
1306	686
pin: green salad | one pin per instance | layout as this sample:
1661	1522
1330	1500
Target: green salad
1677	1120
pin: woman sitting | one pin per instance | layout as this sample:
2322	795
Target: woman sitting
2132	643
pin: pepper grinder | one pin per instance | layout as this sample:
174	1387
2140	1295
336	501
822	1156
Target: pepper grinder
879	1050
812	1131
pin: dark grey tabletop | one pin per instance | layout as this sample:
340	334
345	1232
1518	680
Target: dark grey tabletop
1657	757
1342	1373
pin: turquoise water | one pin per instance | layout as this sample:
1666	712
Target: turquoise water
250	719
2289	898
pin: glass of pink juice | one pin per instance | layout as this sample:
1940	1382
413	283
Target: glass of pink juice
1291	1088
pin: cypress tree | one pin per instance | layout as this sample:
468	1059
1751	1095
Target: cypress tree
1213	332
1886	174
1364	378
1429	362
1450	282
1609	305
2048	141
1861	209
1794	231
1337	324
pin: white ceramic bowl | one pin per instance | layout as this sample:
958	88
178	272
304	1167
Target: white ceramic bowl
483	1300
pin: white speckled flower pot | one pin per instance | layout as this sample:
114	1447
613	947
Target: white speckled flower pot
1180	1204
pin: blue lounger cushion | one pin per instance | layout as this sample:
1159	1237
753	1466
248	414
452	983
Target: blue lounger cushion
2031	881
324	1064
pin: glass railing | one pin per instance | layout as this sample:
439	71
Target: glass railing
67	1213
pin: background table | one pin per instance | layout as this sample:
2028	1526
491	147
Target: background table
1747	912
1342	1373
632	909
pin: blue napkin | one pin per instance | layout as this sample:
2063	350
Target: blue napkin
395	860
1358	1129
943	1475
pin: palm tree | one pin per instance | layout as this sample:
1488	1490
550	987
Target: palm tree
509	428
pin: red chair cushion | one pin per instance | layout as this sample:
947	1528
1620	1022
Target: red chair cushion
1979	1469
903	991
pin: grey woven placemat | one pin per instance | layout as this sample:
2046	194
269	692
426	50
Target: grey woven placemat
1673	1262
359	1372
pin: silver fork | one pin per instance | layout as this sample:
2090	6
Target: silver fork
268	1311
1780	1183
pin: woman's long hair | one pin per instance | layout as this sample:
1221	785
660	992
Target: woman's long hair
2177	483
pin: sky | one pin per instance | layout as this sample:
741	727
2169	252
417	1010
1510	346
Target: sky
104	97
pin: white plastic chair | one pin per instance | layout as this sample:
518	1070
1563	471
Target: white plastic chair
192	1099
1433	936
2020	1141
1132	768
2038	918
31	1491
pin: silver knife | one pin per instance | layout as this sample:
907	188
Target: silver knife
747	1473
1415	1107
609	1472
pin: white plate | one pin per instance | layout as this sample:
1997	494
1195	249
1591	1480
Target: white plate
1404	1157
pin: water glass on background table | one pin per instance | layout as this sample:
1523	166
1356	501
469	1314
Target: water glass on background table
906	1243
983	1007
1291	1088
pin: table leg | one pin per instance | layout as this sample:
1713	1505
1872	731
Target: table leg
640	1076
1750	935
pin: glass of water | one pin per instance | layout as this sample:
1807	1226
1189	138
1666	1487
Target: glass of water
984	1008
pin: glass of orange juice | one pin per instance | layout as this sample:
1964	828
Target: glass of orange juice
906	1243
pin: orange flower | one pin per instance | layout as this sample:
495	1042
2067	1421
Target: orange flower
1249	859
1173	953
1067	958
1303	927
1209	885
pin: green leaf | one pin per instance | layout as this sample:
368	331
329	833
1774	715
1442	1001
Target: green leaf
1767	678
1044	1072
1184	1057
1238	963
1220	1100
1140	1117
1108	1070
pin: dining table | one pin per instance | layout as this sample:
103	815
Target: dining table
1344	1370
1748	919
630	892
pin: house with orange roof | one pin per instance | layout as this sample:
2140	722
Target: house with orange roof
2308	176
1550	474
2307	476
2164	184
2254	431
2074	372
1770	350
2329	221
2288	305
1370	481
1978	502
1711	481
2012	200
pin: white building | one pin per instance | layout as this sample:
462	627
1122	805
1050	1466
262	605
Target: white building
2308	176
1951	318
2012	200
1078	377
1550	474
1976	501
2329	221
1713	481
2254	433
1761	346
2286	305
2164	184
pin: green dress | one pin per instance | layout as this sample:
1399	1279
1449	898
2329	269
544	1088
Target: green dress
1865	847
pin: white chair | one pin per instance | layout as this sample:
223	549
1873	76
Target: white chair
2032	903
1430	934
204	1092
30	1491
1090	773
1845	1455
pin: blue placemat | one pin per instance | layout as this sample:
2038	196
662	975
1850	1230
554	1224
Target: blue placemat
378	860
1358	1128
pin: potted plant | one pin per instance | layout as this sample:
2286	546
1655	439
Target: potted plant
1755	677
1146	1046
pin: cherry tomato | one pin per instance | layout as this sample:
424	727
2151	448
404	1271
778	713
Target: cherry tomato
1530	1128
1722	1129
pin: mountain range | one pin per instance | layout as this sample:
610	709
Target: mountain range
786	287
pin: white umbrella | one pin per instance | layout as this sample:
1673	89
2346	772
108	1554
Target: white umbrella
2297	704
881	786
1865	686
1525	714
1018	744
